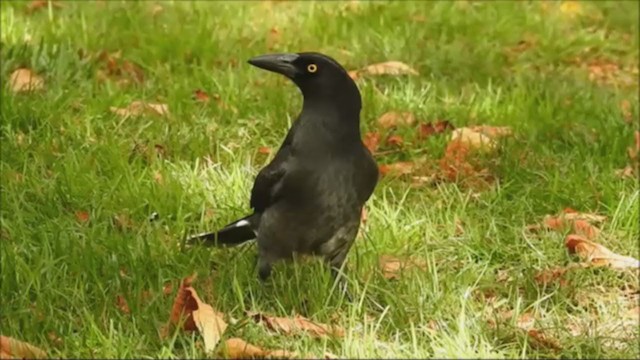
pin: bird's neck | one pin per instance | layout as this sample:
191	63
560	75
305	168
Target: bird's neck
337	110
339	118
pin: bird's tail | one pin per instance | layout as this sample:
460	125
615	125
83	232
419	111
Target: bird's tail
236	233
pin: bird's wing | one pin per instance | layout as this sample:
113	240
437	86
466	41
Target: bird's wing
265	188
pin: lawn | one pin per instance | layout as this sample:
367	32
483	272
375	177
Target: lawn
94	204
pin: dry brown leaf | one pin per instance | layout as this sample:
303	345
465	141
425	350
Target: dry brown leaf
122	221
197	315
183	306
393	68
167	288
571	8
200	96
480	137
264	150
626	173
54	338
11	348
525	321
393	266
372	141
395	140
598	255
457	163
156	9
273	38
117	69
633	151
296	324
493	132
392	119
431	128
625	108
210	323
158	178
24	80
540	339
122	304
398	168
236	348
82	216
548	276
571	214
137	108
41	4
580	223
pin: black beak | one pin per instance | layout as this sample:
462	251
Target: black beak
278	63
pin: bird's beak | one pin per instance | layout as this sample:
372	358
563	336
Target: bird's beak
279	63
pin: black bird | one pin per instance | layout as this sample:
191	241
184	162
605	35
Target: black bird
308	200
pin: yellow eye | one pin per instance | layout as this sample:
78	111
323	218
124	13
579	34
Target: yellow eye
312	68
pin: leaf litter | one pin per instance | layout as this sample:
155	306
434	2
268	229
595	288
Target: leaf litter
25	80
297	324
392	68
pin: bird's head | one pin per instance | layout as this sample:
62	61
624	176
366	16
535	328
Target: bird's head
318	76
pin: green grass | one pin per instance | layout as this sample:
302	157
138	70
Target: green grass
63	152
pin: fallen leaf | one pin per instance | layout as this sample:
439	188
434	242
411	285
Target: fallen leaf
145	295
236	348
158	178
197	315
122	304
633	151
429	129
210	323
11	348
296	324
54	338
122	222
540	339
548	276
156	9
493	132
137	108
82	216
200	96
264	150
571	214
24	80
392	119
525	321
183	306
571	8
398	168
273	38
118	69
625	109
40	4
457	162
580	223
393	68
393	266
598	255
372	141
626	173
479	137
167	288
395	140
